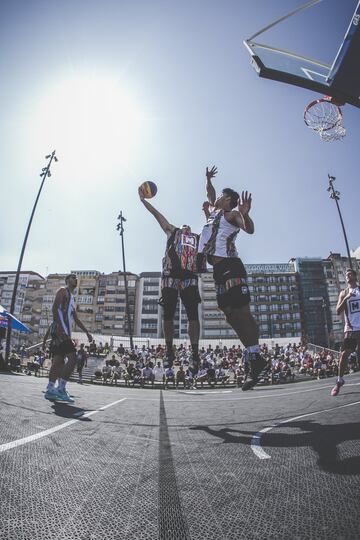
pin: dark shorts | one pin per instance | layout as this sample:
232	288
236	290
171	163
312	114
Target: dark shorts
351	341
230	283
190	297
64	348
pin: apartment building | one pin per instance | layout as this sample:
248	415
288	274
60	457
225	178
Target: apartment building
148	312
28	296
110	306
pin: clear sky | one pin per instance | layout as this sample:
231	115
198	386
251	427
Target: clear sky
133	90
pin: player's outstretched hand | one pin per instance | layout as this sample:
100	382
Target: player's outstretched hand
141	195
212	173
244	203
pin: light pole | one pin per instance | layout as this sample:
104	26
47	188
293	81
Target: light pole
45	173
324	306
336	196
120	228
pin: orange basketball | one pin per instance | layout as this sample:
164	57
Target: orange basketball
148	189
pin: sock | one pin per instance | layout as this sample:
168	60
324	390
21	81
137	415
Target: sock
340	379
50	385
62	384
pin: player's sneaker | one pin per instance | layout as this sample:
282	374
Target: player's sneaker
336	389
51	394
257	365
63	395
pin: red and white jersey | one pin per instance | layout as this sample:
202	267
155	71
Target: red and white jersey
352	311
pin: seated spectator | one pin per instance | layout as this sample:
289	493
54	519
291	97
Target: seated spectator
222	376
93	349
169	376
129	373
116	372
112	361
120	349
159	373
15	363
180	376
137	376
201	376
318	369
106	372
147	376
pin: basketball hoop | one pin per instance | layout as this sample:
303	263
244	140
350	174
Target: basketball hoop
325	117
335	134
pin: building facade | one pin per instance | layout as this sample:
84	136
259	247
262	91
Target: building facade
288	300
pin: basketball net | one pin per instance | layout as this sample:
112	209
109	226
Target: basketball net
325	117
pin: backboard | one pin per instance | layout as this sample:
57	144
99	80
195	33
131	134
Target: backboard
341	80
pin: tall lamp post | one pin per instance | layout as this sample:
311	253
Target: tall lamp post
120	228
45	173
334	194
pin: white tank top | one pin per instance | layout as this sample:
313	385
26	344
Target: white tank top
218	236
352	311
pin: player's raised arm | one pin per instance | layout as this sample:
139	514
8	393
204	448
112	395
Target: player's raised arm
205	208
210	190
163	222
241	218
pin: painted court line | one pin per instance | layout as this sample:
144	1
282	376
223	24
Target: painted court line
50	431
256	439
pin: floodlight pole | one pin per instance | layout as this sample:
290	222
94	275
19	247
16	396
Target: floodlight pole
45	173
336	196
120	228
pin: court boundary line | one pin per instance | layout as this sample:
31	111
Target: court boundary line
41	434
244	397
255	444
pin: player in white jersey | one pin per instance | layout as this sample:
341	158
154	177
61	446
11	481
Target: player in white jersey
62	346
227	215
349	305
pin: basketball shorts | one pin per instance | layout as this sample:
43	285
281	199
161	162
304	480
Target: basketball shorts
230	283
351	341
64	348
188	290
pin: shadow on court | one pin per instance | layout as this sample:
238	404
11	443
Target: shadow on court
323	439
69	411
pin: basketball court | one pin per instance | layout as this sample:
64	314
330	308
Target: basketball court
282	462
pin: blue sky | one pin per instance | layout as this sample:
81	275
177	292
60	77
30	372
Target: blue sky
133	90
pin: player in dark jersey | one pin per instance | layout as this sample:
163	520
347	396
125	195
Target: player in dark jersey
179	278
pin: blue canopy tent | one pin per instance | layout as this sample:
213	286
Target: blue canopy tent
15	323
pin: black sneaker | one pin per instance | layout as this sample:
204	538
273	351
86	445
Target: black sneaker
257	366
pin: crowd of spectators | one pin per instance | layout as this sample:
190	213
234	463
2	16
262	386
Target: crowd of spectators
218	366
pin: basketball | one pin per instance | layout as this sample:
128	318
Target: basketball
148	189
